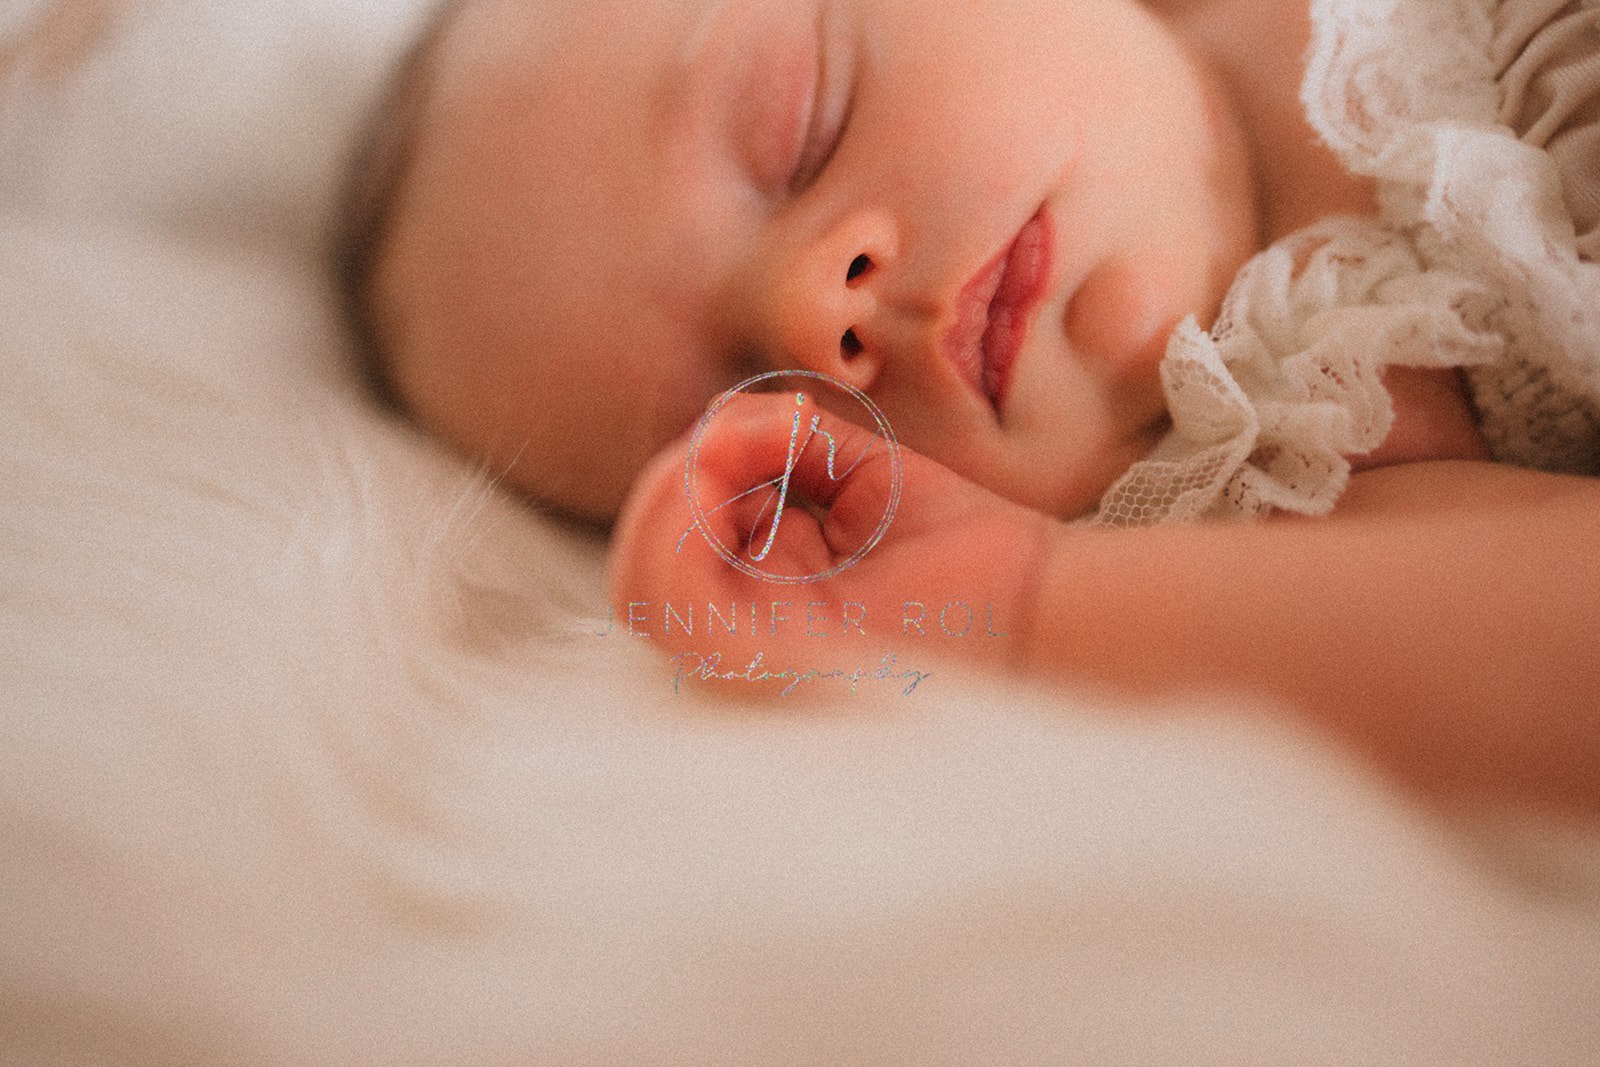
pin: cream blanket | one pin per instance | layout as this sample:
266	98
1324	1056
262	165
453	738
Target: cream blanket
307	756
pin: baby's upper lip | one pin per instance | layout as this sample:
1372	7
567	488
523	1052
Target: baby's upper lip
992	309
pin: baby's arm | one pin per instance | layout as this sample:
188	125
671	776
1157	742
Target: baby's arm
1444	620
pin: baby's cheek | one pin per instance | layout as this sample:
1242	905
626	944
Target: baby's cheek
1121	317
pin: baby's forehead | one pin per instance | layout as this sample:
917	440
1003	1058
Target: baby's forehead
487	43
539	53
536	291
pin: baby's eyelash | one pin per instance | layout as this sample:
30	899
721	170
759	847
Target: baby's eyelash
830	113
817	154
808	172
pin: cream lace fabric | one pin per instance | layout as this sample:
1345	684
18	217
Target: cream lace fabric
1481	121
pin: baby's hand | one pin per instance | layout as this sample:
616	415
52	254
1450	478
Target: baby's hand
860	562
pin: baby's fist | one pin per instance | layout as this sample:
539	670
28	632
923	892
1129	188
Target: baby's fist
782	535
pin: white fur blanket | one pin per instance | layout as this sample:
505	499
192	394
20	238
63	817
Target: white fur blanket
304	758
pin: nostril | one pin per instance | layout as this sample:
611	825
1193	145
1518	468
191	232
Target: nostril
858	266
850	344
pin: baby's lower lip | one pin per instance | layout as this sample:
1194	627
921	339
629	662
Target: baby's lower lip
992	311
1027	269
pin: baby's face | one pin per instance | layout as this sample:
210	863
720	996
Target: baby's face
988	216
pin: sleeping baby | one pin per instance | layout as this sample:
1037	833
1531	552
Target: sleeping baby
1099	263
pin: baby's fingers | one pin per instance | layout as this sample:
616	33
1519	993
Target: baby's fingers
785	492
724	514
731	545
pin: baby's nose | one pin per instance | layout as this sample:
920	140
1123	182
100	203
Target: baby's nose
825	298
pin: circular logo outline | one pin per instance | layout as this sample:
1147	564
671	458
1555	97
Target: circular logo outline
896	472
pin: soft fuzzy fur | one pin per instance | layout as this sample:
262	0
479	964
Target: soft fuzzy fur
311	757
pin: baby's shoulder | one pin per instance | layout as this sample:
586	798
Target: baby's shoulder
1442	488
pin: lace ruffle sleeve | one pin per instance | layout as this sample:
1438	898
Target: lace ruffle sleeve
1480	120
1267	404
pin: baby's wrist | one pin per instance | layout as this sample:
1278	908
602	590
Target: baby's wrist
1039	614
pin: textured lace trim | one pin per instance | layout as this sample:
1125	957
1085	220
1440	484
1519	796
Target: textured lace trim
1266	406
1480	119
